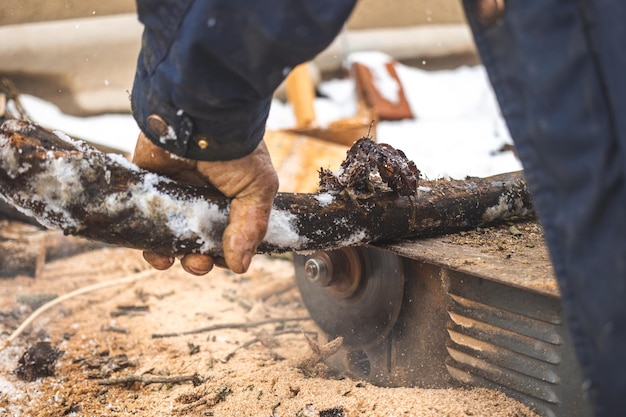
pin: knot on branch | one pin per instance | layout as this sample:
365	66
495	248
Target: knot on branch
371	168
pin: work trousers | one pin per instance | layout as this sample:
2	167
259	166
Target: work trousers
558	68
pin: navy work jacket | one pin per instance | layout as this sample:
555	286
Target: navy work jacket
209	68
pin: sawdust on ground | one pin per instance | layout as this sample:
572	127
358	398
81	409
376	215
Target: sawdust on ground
251	371
504	239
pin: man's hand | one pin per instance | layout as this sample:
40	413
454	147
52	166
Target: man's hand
250	181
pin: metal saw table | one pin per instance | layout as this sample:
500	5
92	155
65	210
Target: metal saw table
478	308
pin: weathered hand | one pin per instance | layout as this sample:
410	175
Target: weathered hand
250	181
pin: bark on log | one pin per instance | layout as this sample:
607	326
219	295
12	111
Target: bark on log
9	212
70	186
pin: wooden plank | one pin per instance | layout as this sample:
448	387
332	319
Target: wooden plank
298	158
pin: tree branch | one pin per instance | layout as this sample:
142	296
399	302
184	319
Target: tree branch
229	326
71	186
147	380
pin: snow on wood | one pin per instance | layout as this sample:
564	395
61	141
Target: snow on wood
71	186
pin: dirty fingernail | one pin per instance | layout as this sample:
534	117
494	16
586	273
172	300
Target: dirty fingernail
197	264
157	261
195	271
246	260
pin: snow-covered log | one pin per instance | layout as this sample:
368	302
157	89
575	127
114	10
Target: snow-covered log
68	185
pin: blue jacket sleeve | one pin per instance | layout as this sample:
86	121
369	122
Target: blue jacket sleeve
209	68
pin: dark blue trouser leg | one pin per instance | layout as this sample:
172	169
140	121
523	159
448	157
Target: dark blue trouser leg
558	68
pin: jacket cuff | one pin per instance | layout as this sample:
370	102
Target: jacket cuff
228	133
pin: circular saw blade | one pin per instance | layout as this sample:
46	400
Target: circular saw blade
367	314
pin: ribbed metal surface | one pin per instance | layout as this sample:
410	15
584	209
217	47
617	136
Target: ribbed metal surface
509	339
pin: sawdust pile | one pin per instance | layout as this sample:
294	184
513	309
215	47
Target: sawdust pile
106	336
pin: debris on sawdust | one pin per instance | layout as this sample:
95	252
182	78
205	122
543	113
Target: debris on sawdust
102	364
505	239
38	361
332	412
313	364
109	372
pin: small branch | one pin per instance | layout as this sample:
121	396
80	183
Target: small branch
147	380
91	288
114	329
228	326
208	401
257	339
318	354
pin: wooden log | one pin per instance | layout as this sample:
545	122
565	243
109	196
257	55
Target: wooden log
24	248
301	94
367	77
297	158
20	257
70	186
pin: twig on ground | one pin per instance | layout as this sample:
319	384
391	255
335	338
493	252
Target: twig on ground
259	339
114	329
228	326
147	380
208	401
308	363
80	291
203	398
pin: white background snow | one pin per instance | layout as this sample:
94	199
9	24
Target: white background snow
457	130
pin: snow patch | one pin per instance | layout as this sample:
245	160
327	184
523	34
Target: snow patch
10	164
64	137
282	230
196	218
54	187
185	218
121	160
17	126
355	238
117	131
505	208
324	199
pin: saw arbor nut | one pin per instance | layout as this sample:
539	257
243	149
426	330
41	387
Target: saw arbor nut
338	271
352	292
